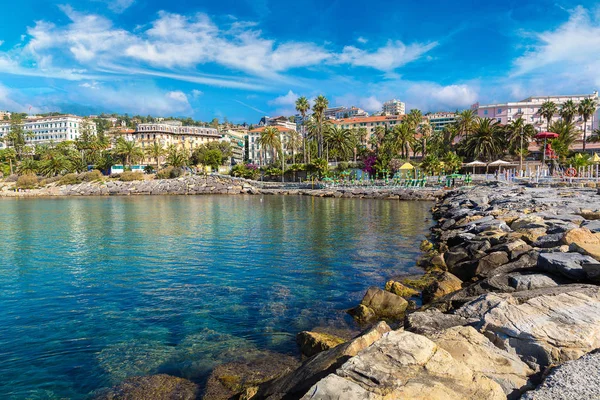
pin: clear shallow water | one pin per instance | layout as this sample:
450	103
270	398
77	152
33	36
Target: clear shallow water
93	290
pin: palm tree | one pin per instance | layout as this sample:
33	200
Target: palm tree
156	151
319	107
340	141
568	110
547	111
179	158
293	143
270	140
54	163
414	118
128	151
28	167
302	106
486	141
426	131
402	137
465	122
513	134
586	109
567	134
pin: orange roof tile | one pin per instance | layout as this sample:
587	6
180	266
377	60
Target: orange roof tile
279	128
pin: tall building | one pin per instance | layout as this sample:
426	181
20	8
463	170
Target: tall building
528	109
440	120
394	107
54	129
345	112
277	121
236	139
370	124
256	154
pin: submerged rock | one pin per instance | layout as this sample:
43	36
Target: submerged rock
399	289
384	304
155	387
312	343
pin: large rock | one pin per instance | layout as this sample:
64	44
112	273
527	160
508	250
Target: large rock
473	349
433	321
542	330
399	289
156	387
444	283
491	262
404	365
229	379
312	343
531	281
570	265
384	304
573	380
548	241
454	257
515	248
298	382
592	250
580	236
528	221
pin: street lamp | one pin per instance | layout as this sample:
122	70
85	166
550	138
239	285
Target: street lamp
521	161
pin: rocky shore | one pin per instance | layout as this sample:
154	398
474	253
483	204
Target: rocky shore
223	185
509	307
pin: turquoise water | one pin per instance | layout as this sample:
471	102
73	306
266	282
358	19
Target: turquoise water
93	290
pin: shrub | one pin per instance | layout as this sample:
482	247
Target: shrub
169	173
149	169
93	175
27	181
129	176
342	166
69	179
50	180
12	178
115	176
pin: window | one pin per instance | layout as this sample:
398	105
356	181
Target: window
509	110
485	112
519	111
499	119
499	111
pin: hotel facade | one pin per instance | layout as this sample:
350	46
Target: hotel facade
528	109
394	107
256	155
47	130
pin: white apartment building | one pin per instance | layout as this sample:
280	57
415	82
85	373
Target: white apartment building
345	112
440	120
256	155
44	130
528	109
277	121
394	107
236	139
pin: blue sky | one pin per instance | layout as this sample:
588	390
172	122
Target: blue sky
242	59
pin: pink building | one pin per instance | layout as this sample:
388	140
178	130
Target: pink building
528	110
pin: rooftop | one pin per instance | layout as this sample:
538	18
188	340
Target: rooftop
279	128
380	118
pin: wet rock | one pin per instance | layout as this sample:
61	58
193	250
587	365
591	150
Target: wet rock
444	284
404	365
573	380
569	265
473	349
312	343
298	382
363	314
156	387
384	304
399	289
433	321
229	379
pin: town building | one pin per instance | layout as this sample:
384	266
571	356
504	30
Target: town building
4	115
394	107
345	112
528	109
277	121
440	120
370	124
169	133
237	140
53	129
256	155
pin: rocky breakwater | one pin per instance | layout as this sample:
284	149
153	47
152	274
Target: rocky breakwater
510	308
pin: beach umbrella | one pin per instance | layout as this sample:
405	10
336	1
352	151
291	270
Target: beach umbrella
595	159
499	163
406	166
545	136
475	163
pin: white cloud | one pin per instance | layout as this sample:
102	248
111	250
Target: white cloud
197	93
118	6
433	97
288	99
370	104
178	95
1	42
393	55
570	52
90	85
362	40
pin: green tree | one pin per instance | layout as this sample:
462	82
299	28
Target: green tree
403	138
513	135
54	163
568	110
320	105
293	143
28	167
128	151
547	111
587	108
270	140
340	141
567	134
178	157
302	106
156	151
466	121
213	158
487	141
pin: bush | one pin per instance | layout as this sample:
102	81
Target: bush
149	169
69	179
342	166
12	178
115	176
50	180
129	176
27	181
93	175
169	173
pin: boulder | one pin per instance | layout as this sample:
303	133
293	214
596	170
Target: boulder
454	257
593	226
531	235
444	284
531	281
229	379
473	349
399	289
573	380
297	383
433	321
156	387
581	236
569	265
363	314
589	214
384	304
529	221
404	365
542	330
312	343
514	249
548	241
491	262
592	250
